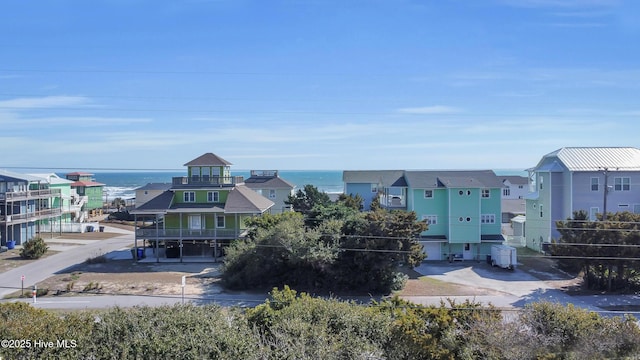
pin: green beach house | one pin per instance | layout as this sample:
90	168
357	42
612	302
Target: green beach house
462	208
199	213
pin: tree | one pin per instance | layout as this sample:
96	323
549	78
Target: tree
34	248
304	201
119	203
350	201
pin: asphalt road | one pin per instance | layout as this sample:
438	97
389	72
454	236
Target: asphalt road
10	281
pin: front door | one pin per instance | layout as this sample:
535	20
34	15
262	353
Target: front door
195	223
467	253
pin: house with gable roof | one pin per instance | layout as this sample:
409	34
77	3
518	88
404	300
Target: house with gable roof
594	179
462	208
269	184
199	213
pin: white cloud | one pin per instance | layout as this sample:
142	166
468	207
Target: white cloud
44	102
430	110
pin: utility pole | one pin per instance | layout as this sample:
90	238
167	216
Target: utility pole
606	189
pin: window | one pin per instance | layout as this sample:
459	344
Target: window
595	184
189	196
486	193
520	186
195	222
272	194
220	221
621	184
431	219
428	194
541	181
374	188
541	213
213	196
488	218
506	192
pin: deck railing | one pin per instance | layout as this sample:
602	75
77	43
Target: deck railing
207	180
30	194
187	234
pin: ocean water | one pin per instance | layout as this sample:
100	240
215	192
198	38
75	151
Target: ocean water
124	184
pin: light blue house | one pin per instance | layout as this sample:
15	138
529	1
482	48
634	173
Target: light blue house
593	179
26	202
462	208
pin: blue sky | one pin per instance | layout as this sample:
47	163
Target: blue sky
315	84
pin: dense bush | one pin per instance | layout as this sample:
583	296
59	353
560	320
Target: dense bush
34	248
297	326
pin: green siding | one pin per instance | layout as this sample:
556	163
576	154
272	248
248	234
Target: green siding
94	196
438	205
492	205
464	215
200	196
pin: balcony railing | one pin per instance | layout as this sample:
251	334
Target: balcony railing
207	180
31	216
31	194
165	234
393	201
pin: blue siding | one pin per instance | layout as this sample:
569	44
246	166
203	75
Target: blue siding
362	189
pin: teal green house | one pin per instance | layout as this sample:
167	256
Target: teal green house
461	208
199	213
84	185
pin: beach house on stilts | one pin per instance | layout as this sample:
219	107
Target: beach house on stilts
199	214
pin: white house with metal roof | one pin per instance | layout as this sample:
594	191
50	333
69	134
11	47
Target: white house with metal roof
593	179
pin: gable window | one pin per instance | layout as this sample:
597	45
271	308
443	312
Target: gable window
220	221
189	196
428	194
595	184
541	181
621	184
272	194
486	193
488	218
431	219
213	196
506	192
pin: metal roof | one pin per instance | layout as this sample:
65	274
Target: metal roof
596	158
18	176
208	159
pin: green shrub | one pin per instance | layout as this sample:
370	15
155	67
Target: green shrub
34	248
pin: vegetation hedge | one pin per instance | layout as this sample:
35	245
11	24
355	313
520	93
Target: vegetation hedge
293	325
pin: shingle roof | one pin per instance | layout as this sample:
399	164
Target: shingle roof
268	182
208	159
453	179
597	158
244	200
159	203
155	186
380	177
516	180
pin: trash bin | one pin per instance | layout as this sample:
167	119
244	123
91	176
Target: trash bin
89	228
101	228
489	259
11	244
140	253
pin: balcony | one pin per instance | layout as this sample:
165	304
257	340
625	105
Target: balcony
186	234
207	181
30	194
30	216
393	201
